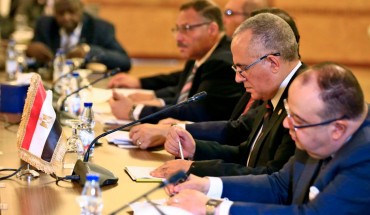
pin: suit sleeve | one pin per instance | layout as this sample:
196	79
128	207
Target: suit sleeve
231	132
158	82
223	93
108	50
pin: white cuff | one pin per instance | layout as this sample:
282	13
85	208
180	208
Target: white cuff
215	187
224	207
137	111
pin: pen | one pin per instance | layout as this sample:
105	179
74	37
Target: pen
180	149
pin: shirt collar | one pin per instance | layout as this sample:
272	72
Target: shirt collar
74	36
206	56
284	84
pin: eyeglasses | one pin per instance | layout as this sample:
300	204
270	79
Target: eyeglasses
291	124
187	28
230	12
244	68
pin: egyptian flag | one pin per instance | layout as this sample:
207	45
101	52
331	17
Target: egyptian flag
40	138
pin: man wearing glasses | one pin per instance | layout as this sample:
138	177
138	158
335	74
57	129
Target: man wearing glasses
329	120
265	55
201	40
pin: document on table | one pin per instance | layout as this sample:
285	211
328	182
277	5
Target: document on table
109	120
142	174
143	208
121	139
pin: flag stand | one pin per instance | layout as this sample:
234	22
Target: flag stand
27	174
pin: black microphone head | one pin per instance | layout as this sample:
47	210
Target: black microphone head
197	96
175	178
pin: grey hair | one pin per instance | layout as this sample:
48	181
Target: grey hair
270	34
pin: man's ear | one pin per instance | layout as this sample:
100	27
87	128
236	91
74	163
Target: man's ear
339	129
213	28
274	62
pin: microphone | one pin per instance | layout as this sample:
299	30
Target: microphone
194	98
174	179
81	168
106	75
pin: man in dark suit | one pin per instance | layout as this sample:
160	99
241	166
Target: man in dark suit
266	75
79	34
236	11
233	131
201	40
329	174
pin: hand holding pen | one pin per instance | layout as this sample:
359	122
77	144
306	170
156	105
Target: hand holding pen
180	143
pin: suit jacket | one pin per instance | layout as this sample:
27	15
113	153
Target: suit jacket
161	81
97	33
235	130
216	77
343	185
273	148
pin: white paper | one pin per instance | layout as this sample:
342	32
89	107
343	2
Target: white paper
144	208
109	119
121	139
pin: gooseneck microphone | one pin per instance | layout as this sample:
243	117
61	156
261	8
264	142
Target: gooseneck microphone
194	98
174	179
81	168
107	74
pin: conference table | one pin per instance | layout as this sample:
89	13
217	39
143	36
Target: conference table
43	196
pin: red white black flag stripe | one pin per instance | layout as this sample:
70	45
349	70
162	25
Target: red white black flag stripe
40	134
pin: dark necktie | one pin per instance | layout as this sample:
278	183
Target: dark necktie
255	149
248	106
267	115
187	86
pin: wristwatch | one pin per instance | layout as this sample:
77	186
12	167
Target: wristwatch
211	206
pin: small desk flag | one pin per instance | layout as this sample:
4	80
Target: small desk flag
40	138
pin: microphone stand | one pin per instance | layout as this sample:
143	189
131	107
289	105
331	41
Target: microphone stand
196	97
145	195
107	178
174	179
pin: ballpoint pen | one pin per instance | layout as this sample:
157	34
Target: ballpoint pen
180	149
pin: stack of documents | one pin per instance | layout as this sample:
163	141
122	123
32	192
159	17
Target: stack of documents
121	139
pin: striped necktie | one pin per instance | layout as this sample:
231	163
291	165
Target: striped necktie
255	150
184	94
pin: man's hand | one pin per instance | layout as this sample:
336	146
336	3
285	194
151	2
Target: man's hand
176	136
124	80
40	52
171	167
145	99
193	182
139	97
149	135
190	200
78	51
120	105
170	121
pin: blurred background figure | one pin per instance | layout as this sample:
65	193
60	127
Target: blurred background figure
79	34
236	11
